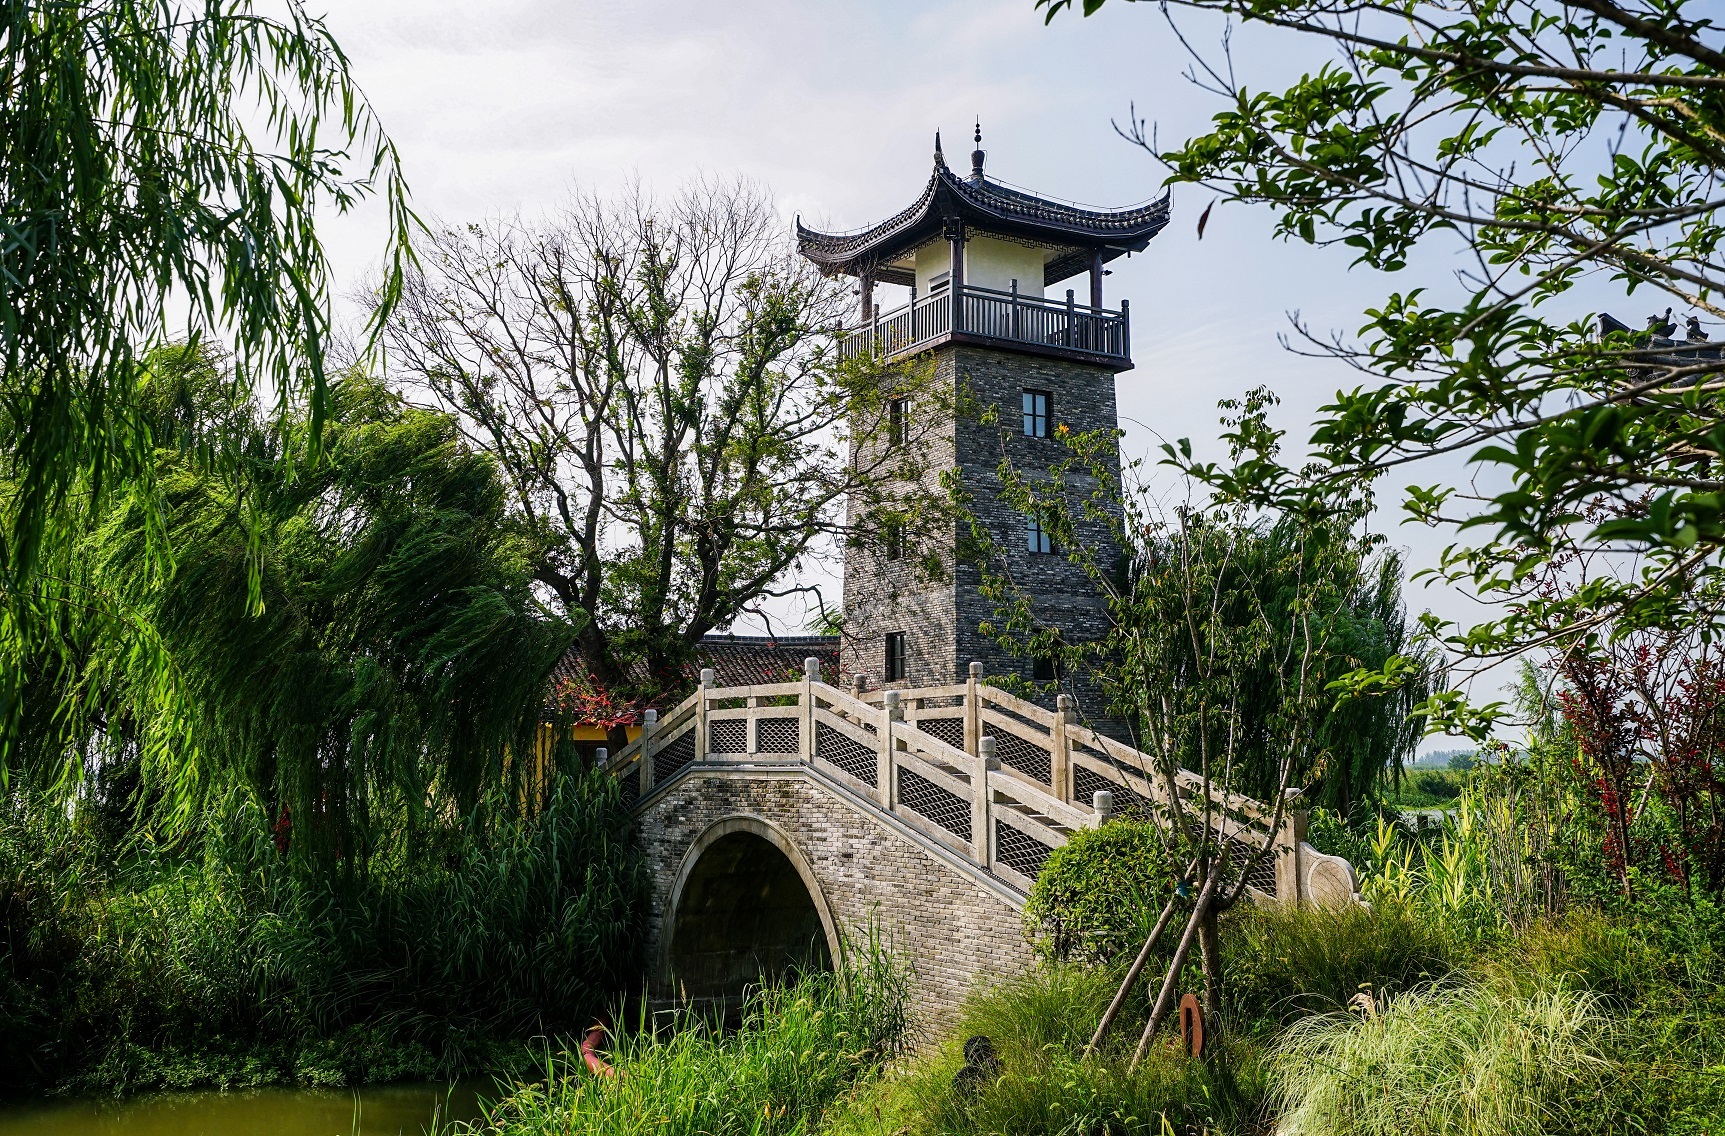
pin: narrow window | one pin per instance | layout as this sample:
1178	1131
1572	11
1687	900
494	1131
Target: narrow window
1036	409
892	534
898	421
1036	537
938	282
1044	669
895	656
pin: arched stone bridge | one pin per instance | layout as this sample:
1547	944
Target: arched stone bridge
779	820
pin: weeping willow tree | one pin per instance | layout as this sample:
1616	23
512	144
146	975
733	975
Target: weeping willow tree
355	641
162	166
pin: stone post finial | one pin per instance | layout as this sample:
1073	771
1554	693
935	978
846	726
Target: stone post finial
976	670
651	717
985	750
706	676
893	709
601	757
812	668
1063	703
1103	802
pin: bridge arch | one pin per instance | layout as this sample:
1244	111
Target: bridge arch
745	903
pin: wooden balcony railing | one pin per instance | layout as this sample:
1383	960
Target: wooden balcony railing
997	780
1007	317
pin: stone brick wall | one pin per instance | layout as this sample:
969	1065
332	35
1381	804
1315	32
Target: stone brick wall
947	925
941	619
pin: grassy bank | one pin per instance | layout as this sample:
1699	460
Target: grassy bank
797	1050
213	961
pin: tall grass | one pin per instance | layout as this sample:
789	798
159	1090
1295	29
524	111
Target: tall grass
1461	1061
798	1048
1038	1024
214	961
1283	962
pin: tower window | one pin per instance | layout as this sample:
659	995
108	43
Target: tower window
1036	537
897	421
938	282
1044	669
1037	406
896	658
892	536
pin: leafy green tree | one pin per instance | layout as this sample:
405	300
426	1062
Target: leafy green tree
388	661
1567	149
660	385
161	167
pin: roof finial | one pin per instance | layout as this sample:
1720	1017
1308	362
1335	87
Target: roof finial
977	155
938	156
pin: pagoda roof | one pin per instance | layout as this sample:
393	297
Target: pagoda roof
989	207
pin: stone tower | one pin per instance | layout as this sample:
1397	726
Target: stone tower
980	260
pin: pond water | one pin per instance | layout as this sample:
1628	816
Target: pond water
381	1110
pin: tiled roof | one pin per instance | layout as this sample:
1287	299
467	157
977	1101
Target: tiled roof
989	206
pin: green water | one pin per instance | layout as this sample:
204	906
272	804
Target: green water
383	1110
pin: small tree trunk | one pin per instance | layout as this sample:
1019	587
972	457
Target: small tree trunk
1165	998
1210	951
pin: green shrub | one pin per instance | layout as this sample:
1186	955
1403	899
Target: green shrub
1100	893
1281	962
1039	1024
797	1049
1463	1061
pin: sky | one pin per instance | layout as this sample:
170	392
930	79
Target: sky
510	105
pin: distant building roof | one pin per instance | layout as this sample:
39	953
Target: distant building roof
736	660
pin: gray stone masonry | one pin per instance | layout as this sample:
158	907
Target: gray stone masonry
946	925
941	619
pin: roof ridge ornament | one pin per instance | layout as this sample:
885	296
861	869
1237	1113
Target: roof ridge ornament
977	155
939	158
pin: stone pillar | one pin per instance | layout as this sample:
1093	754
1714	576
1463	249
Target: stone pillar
649	723
973	708
1060	756
891	714
981	815
806	732
701	714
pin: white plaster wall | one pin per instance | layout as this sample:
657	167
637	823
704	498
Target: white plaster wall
988	263
993	263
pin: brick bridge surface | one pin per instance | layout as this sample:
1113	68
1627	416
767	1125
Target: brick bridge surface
952	924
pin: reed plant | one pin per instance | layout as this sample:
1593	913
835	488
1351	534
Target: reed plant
216	961
797	1049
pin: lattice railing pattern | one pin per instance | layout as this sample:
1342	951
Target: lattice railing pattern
1014	751
948	730
1086	783
1019	850
949	810
668	762
778	735
859	761
1003	810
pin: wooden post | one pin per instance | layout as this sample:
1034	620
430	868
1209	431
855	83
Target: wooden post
806	732
701	714
868	308
1060	751
884	779
649	723
1071	320
973	709
981	816
1126	329
1012	324
955	237
1096	280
